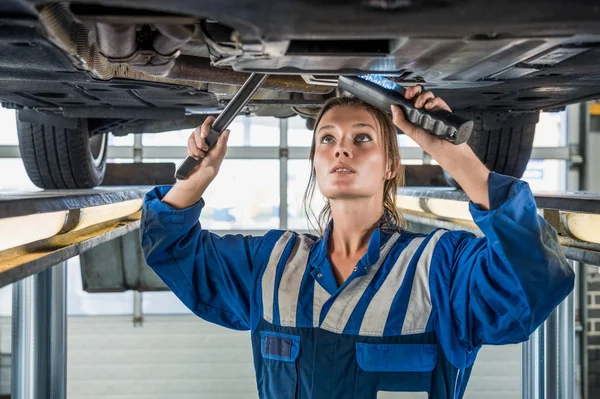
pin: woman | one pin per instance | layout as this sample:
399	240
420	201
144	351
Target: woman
368	310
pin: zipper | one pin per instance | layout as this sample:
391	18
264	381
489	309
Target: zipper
456	382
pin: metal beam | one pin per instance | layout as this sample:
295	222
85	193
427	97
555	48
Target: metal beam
573	249
283	174
30	259
22	203
559	346
569	202
176	152
39	347
532	367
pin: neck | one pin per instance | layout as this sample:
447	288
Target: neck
353	222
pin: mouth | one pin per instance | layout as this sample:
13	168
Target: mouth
341	169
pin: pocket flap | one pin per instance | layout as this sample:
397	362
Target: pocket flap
279	346
396	357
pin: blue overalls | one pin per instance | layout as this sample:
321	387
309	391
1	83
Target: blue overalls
407	323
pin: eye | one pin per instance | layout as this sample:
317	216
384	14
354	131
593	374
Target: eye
363	137
327	139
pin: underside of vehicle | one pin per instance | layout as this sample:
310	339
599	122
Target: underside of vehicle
78	70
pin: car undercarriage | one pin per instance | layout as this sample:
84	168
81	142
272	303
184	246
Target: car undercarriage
120	67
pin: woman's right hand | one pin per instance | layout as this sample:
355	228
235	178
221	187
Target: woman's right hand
198	148
187	192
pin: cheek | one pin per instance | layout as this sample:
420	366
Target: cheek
374	165
321	163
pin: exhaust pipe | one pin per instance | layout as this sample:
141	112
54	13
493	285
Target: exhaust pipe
199	69
116	41
171	38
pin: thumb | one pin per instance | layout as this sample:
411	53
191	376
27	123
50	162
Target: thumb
400	121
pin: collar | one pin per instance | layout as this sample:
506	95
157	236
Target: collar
377	240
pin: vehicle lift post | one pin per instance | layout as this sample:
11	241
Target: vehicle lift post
39	335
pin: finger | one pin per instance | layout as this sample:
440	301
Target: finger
200	141
423	98
400	121
413	91
205	128
437	103
193	149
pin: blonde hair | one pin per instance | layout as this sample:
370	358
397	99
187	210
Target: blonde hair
392	219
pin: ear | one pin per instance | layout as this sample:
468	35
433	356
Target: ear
392	170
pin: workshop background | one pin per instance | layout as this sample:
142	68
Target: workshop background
128	345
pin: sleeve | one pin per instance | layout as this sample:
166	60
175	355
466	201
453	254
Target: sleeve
497	289
211	275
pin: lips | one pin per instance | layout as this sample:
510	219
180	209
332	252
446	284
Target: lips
341	168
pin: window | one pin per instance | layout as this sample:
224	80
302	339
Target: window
170	138
244	196
546	174
262	132
17	179
121	141
550	131
245	132
298	134
405	141
298	176
8	121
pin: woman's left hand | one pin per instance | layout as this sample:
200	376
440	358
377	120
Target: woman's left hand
427	100
457	159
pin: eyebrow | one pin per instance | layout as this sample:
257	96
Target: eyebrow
355	125
363	125
326	127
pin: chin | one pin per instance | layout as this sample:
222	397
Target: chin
337	194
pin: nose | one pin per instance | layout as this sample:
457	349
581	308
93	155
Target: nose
342	152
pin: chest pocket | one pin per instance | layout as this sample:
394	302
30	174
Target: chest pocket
280	371
389	371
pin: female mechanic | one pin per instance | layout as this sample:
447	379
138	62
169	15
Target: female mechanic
366	309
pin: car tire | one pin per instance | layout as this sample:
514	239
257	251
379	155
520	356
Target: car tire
61	156
502	141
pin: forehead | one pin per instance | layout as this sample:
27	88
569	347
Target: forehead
347	116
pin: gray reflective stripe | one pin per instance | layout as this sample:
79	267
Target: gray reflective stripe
319	298
419	304
344	304
289	287
268	280
378	310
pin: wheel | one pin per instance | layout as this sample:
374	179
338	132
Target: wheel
59	153
503	141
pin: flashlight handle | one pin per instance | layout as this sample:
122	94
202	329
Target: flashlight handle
440	123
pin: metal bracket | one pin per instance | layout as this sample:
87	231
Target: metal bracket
575	157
